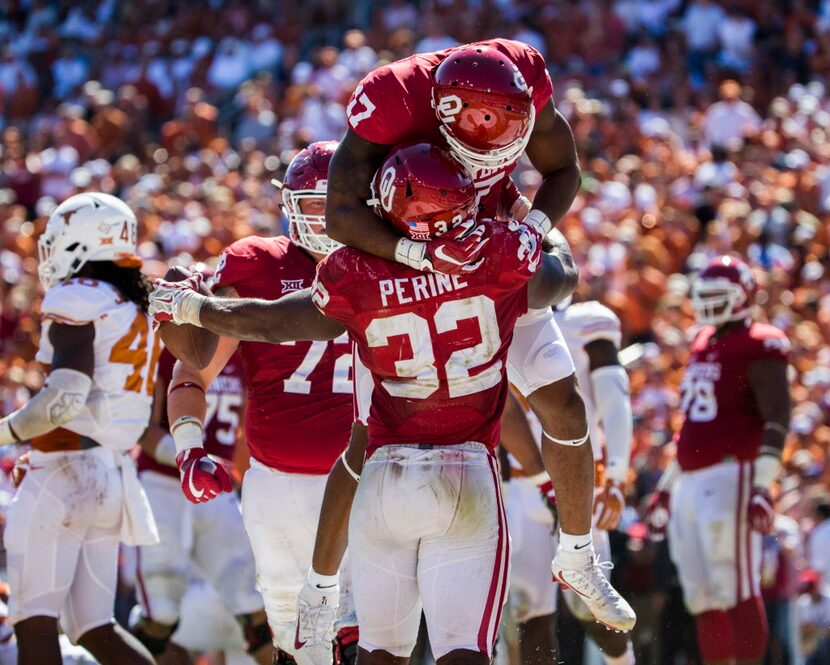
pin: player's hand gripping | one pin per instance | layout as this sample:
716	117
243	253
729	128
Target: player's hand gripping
178	302
202	478
456	252
609	505
761	510
657	515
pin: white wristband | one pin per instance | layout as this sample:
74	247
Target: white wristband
187	433
410	253
538	221
766	469
189	307
166	451
539	478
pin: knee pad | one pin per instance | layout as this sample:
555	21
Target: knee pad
751	629
256	636
155	645
715	635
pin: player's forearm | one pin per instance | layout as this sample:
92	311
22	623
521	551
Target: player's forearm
158	444
248	319
611	391
355	225
558	191
557	276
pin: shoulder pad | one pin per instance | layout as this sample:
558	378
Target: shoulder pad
79	301
594	321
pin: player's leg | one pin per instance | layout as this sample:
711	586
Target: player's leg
532	596
45	526
87	615
231	570
748	614
702	548
464	559
280	513
163	569
37	641
388	517
540	366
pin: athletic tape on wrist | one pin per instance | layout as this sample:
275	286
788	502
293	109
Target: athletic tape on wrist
538	221
187	433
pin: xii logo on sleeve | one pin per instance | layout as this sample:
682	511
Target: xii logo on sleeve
289	285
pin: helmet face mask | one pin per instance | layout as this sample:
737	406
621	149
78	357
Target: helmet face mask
484	106
723	292
86	227
305	179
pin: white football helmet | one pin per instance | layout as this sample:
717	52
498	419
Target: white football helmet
85	227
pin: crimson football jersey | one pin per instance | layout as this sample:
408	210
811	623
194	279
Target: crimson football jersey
393	105
225	398
435	344
722	418
299	412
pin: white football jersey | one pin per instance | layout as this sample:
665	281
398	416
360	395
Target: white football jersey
126	353
581	324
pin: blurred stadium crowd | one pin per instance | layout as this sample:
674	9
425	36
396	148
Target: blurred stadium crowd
702	128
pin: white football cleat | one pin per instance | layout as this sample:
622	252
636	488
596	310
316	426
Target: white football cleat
315	625
583	574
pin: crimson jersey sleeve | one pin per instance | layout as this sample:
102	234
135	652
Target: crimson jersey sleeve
768	342
239	262
329	299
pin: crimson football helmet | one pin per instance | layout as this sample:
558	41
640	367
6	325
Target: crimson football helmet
724	291
422	191
484	106
306	178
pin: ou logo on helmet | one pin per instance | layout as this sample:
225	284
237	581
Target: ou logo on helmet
387	188
518	79
448	107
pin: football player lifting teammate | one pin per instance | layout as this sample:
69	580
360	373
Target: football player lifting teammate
488	103
716	495
435	345
299	400
80	495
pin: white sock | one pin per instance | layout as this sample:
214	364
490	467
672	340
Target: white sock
576	544
323	583
626	659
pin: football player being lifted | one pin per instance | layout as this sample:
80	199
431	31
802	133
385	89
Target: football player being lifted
736	399
487	103
80	495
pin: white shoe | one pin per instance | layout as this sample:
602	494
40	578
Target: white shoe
315	626
583	574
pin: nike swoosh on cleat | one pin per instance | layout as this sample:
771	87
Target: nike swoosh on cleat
297	643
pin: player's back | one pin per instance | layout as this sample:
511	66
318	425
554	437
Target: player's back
298	415
435	344
722	417
126	354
